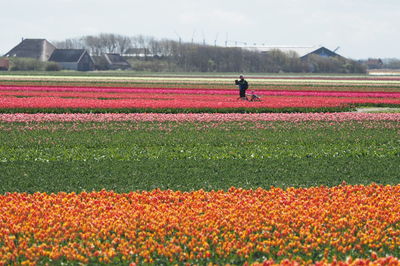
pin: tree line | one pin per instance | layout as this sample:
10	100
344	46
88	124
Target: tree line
149	54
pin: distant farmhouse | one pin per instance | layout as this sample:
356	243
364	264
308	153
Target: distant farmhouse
73	59
138	52
302	51
373	63
116	61
41	49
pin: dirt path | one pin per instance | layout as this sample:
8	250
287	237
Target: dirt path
378	110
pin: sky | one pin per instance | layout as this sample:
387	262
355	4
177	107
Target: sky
360	28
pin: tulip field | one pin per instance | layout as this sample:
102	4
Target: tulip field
175	169
59	94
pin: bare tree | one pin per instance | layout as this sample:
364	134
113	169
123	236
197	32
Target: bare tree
74	43
93	44
123	43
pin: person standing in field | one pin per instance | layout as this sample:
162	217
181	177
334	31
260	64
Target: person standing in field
243	86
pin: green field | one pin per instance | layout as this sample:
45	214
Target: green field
127	156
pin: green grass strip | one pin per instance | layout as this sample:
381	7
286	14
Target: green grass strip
126	156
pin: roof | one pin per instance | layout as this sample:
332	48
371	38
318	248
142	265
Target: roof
116	59
33	48
374	61
67	55
300	50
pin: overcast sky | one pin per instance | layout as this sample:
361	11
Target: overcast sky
361	28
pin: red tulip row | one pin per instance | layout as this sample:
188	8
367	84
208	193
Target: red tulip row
165	98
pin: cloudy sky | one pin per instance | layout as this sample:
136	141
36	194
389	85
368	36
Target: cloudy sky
361	28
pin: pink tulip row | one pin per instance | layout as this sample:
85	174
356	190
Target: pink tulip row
4	89
176	101
202	117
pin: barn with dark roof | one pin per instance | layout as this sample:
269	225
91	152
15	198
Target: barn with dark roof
302	51
73	59
39	49
116	61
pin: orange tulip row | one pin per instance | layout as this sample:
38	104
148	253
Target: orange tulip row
348	262
235	226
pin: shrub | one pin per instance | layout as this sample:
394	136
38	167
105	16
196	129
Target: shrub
4	64
26	64
52	66
31	64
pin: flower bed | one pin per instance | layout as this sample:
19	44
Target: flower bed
305	225
82	99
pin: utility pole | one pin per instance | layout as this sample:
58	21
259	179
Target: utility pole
216	38
179	37
194	32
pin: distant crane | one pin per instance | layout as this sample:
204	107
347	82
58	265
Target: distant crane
337	48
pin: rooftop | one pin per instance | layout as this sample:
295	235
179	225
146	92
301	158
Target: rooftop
67	55
300	50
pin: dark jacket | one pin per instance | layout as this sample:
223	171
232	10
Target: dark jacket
243	85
